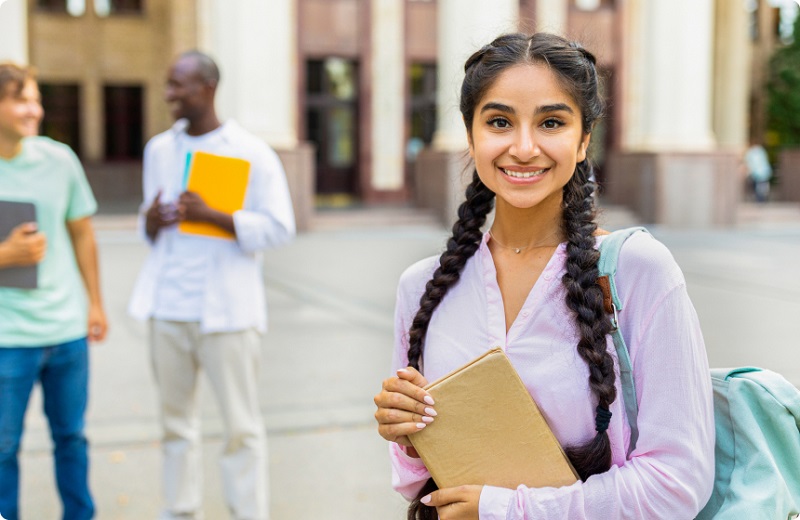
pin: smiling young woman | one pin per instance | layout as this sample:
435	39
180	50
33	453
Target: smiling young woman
530	285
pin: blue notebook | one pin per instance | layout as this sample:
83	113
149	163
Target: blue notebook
12	214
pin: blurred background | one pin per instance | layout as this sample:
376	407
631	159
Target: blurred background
359	98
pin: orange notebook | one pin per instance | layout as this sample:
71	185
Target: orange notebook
221	182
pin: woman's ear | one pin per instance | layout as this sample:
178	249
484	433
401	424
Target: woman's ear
583	147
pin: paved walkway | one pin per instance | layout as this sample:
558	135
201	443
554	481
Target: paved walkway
331	299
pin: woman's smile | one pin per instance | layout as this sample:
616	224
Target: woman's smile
522	174
526	137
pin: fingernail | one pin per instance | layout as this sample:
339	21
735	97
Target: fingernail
426	419
421	425
402	370
428	399
425	499
431	412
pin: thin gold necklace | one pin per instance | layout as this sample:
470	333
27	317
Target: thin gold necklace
518	250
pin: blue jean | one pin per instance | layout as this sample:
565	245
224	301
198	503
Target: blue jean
63	371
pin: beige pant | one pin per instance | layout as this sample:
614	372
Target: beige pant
231	360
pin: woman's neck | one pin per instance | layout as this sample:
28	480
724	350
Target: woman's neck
529	227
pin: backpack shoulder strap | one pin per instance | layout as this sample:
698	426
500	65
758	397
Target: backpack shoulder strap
607	267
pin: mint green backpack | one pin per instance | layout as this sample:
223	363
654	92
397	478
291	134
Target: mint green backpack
757	419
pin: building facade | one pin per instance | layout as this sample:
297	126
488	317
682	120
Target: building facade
359	97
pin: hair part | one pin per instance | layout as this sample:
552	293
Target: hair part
574	68
13	78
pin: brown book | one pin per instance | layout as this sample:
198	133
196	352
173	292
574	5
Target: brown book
489	431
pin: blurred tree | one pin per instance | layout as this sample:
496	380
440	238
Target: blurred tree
783	91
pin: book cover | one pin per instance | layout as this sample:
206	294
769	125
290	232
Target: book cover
12	214
221	182
489	431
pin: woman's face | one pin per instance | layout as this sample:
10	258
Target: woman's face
527	137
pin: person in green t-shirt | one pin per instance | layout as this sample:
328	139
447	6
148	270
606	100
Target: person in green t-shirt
44	330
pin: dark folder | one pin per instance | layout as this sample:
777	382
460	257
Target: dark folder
12	214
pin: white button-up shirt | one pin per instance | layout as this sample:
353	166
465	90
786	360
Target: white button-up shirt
232	295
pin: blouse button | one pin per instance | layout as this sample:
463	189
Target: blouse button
525	314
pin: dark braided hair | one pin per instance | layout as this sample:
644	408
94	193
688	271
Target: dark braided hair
574	67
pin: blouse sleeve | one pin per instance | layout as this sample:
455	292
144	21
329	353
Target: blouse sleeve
267	220
670	474
409	474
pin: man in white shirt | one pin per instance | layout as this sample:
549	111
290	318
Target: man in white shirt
204	297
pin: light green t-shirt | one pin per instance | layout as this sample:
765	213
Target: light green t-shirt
48	174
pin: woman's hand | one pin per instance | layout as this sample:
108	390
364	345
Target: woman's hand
403	406
458	503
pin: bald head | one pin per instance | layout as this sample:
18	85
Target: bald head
202	64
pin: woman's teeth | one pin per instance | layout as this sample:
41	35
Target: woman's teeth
523	175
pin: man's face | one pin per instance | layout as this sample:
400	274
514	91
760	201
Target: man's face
187	94
20	114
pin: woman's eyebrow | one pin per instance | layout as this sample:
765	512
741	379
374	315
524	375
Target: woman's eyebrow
555	107
491	105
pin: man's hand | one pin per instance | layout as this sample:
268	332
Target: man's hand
158	216
459	503
24	246
193	208
98	326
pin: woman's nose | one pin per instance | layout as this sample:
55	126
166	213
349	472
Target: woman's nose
524	147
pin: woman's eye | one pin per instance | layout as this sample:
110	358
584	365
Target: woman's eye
551	124
499	122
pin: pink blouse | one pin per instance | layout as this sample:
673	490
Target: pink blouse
671	472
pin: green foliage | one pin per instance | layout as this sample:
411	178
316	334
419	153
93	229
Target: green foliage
783	89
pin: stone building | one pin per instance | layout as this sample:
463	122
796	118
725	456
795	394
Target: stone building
359	96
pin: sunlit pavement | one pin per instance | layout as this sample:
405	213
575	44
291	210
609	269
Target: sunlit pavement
331	296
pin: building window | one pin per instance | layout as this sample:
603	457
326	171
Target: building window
111	7
61	103
72	7
331	122
124	122
423	108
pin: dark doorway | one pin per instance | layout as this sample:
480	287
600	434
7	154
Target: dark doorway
124	123
62	110
332	123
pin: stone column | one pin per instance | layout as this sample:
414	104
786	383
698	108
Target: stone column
551	16
733	63
388	110
14	31
255	43
670	169
463	27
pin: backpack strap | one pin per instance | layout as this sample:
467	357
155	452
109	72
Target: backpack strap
607	267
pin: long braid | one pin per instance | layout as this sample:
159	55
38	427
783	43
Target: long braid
461	246
585	299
